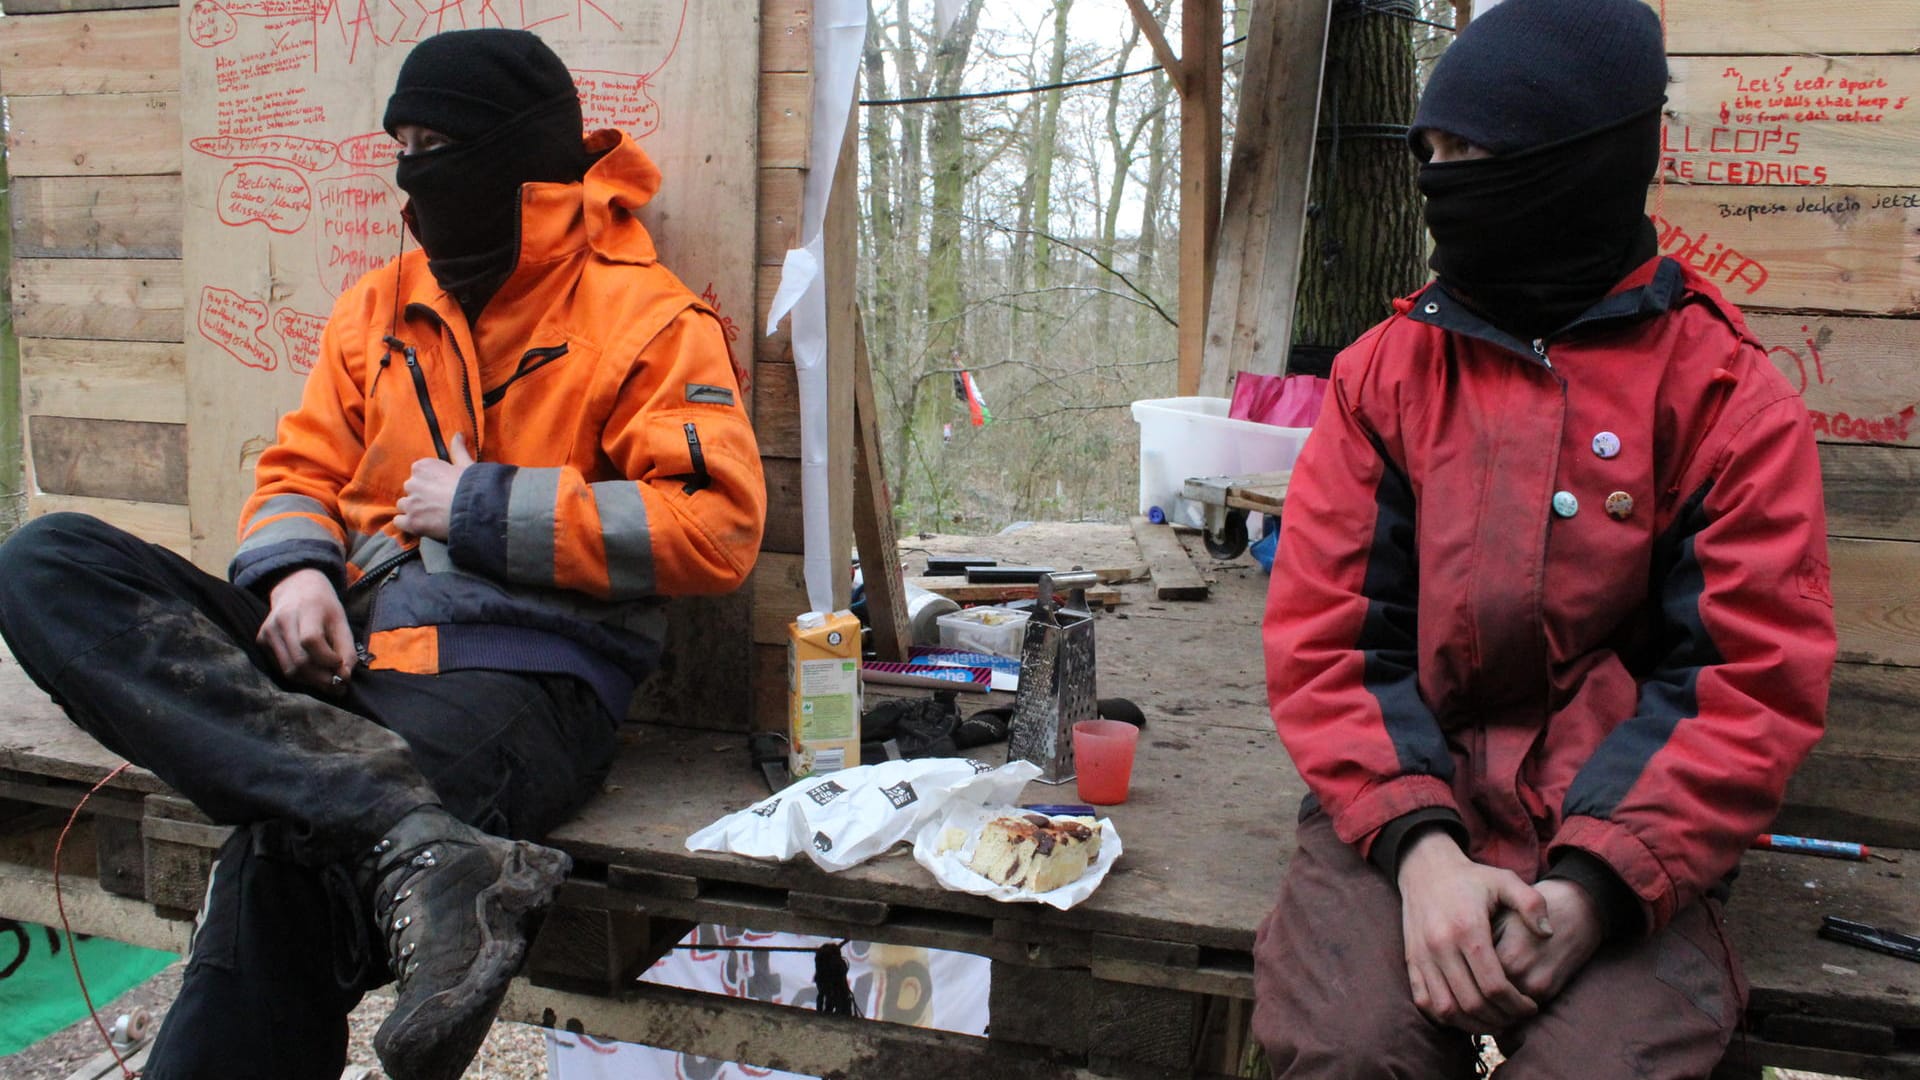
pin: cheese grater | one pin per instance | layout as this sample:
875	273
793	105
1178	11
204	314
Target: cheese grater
1056	678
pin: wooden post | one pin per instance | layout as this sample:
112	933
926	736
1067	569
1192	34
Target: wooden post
1200	105
13	495
873	517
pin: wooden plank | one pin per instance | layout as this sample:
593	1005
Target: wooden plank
91	53
1200	105
780	204
1793	120
785	531
1876	600
1790	26
1857	375
776	409
1157	40
1263	221
1872	492
132	460
873	531
770	670
27	894
47	7
1834	249
775	347
1858	783
156	523
786	111
1174	577
779	596
125	380
99	299
94	134
786	35
96	217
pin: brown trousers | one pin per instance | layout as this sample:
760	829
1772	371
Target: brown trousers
1332	1000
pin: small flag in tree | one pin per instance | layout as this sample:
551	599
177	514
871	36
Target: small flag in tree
967	390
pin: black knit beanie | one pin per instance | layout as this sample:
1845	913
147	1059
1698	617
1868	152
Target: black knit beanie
1533	72
465	83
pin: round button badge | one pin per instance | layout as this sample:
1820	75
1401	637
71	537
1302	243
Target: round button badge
1606	444
1564	504
1620	506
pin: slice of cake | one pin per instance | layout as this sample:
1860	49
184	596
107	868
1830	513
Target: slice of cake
1034	851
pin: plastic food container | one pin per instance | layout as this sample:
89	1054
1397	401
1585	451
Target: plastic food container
1185	437
996	630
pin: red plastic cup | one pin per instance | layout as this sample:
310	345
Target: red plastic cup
1103	758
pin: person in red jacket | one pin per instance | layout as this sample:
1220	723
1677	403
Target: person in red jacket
515	442
1550	625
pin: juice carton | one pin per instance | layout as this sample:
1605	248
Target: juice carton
823	692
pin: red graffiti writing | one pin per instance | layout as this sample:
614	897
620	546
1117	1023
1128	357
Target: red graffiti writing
233	322
360	228
313	155
1897	428
1716	261
269	194
616	100
301	333
374	150
209	24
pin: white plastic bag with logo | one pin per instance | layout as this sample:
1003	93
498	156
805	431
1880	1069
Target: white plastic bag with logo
844	818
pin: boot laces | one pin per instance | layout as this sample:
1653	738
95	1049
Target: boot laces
395	888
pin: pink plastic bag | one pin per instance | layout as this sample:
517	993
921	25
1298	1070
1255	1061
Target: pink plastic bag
1280	400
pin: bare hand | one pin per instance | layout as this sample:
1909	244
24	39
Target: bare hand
306	630
1541	966
427	507
1447	908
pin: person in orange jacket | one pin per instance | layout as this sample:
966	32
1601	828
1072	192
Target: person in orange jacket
517	440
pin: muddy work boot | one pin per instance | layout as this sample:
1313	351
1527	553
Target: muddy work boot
451	903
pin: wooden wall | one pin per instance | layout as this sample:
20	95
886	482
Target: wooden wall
1791	176
94	148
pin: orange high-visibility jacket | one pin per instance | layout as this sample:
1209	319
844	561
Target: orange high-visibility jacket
615	464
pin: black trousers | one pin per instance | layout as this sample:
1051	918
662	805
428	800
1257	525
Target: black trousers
157	660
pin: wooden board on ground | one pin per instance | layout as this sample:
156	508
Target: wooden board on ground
1793	120
1830	249
1174	577
292	113
1790	26
1263	217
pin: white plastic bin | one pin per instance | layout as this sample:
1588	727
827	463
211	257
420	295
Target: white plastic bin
1185	437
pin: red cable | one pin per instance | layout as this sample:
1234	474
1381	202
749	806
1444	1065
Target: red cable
59	903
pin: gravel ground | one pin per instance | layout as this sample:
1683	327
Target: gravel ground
511	1052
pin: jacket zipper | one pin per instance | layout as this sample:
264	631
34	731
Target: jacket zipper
700	480
426	402
533	361
466	380
1540	350
377	579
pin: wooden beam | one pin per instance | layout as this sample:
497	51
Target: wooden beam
1200	104
91	53
873	517
97	217
1157	38
1174	577
1264	222
156	523
122	380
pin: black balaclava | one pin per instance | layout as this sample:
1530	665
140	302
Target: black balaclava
511	109
1567	95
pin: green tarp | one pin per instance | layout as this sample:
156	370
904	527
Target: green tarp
38	995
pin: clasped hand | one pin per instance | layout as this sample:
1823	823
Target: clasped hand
427	507
1484	949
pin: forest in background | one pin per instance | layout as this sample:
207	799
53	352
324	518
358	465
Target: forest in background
1030	240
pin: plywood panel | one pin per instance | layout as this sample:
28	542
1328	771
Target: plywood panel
121	380
96	217
1876	600
1791	26
94	135
1831	249
1859	376
91	53
291	113
109	459
155	523
1793	120
1872	491
110	299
